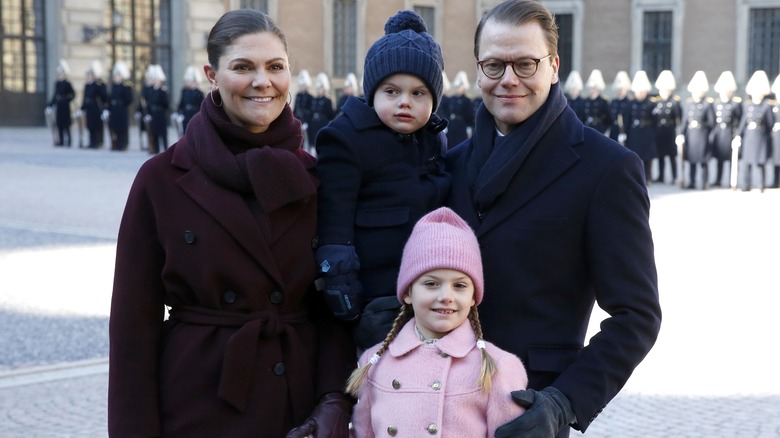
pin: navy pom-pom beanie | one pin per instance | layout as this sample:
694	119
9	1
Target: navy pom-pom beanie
406	47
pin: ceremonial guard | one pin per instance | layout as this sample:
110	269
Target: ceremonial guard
640	130
728	113
60	104
350	88
303	105
461	111
118	106
322	107
573	88
191	97
595	107
619	107
776	134
158	105
142	112
754	132
94	101
694	137
667	113
443	110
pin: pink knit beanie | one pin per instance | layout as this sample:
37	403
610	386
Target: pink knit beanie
441	240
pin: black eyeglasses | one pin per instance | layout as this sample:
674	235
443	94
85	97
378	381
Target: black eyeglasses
523	67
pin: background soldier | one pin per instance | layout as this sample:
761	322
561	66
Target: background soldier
573	88
753	134
460	111
595	106
619	107
191	97
776	133
95	100
728	112
118	107
695	130
322	111
350	88
667	113
158	104
640	130
303	105
60	104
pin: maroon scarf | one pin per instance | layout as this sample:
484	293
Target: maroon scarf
270	164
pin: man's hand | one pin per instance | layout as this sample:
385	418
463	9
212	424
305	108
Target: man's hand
548	412
330	418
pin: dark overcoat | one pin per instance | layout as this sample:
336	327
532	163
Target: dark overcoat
322	113
727	116
569	229
640	130
95	100
63	95
596	113
695	126
375	185
189	104
460	115
241	292
619	109
755	128
119	104
667	113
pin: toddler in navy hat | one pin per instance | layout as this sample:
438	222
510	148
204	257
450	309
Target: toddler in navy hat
381	169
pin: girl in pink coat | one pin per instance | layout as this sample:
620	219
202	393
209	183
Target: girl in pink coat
433	374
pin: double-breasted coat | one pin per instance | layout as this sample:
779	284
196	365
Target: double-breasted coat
596	113
568	227
667	113
619	109
63	96
189	104
322	113
119	109
755	129
727	117
460	117
640	131
696	125
95	100
375	185
432	389
248	349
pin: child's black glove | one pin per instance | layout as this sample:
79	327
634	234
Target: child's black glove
339	267
548	412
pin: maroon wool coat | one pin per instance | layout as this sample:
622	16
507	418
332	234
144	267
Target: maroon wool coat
252	350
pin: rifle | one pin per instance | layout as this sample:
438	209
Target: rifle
680	141
735	145
80	125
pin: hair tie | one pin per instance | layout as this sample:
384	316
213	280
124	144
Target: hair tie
481	344
374	359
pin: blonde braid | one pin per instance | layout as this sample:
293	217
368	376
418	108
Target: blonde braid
488	364
359	375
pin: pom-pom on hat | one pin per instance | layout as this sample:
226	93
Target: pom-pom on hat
441	240
406	47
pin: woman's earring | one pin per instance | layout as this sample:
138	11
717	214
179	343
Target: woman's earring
289	98
214	90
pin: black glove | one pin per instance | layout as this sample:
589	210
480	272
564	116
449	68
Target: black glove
548	412
344	295
339	266
330	418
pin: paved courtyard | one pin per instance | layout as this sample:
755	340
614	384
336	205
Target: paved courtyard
712	373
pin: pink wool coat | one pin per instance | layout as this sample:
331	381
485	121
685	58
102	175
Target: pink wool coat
418	389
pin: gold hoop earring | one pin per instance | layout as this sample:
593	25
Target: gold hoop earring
218	105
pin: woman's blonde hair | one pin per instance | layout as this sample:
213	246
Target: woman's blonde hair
406	313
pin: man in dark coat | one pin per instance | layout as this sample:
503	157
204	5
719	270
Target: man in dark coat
595	108
728	113
754	132
695	128
667	113
640	125
619	106
95	100
562	216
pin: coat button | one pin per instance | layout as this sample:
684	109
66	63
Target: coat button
279	368
189	237
276	297
229	297
396	384
432	429
392	430
436	385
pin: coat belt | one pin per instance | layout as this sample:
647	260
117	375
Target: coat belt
241	349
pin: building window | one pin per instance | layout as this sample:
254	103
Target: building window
764	41
260	5
141	35
656	43
344	37
429	15
23	67
565	24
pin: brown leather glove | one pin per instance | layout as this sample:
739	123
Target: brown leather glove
330	418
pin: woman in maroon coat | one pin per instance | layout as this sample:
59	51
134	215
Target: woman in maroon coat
218	230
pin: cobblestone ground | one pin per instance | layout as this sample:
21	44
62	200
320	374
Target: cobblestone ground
712	373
